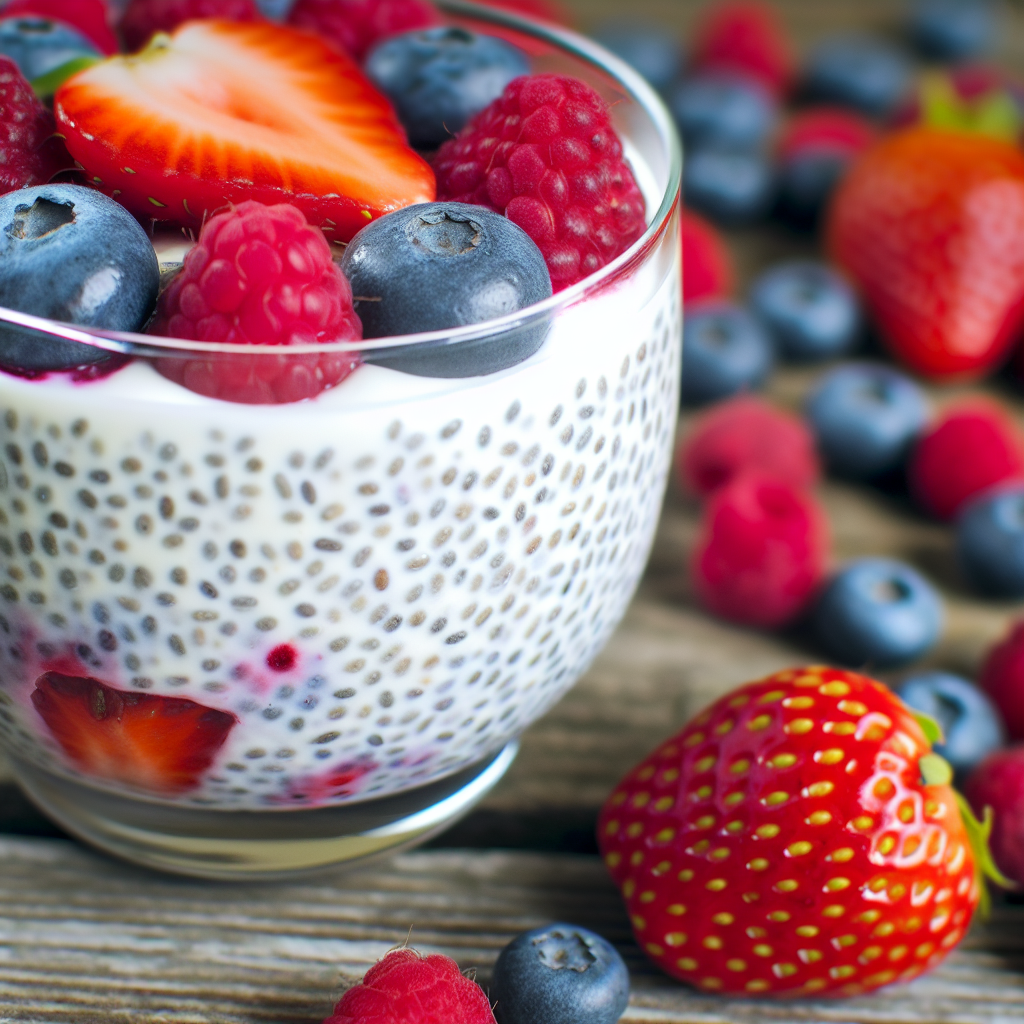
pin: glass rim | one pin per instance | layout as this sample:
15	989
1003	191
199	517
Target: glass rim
562	39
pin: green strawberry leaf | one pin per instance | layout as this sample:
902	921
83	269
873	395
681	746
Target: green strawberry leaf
985	869
994	113
931	728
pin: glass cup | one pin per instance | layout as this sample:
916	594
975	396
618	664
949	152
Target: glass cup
244	640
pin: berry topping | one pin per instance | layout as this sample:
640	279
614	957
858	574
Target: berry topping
71	254
878	612
40	46
971	447
865	418
761	551
971	726
143	18
159	744
546	155
998	783
1002	678
707	266
222	112
29	152
406	988
797	838
440	77
90	17
441	265
745	38
559	974
747	434
356	26
809	310
259	275
725	350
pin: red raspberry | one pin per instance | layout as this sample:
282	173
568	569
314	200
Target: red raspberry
1002	678
973	446
826	130
144	17
761	551
707	265
746	38
30	153
406	988
545	155
998	782
259	275
90	17
745	434
356	26
544	10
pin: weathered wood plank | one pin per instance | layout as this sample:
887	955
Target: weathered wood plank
83	939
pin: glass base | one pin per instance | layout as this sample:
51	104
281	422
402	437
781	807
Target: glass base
236	845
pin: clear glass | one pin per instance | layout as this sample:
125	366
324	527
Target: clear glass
372	593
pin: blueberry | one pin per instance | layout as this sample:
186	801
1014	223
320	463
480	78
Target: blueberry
276	10
729	186
806	182
652	50
952	29
858	71
877	612
39	46
717	109
990	543
436	266
438	78
809	310
725	350
970	722
865	419
561	974
71	254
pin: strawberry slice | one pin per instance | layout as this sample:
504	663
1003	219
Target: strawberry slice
221	112
160	744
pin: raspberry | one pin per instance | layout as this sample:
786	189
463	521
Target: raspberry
707	266
825	130
761	551
356	26
144	17
544	10
259	275
973	446
1002	678
998	783
545	155
746	38
30	153
406	988
90	17
745	434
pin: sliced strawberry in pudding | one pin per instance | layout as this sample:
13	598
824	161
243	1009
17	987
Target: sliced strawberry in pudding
221	112
160	744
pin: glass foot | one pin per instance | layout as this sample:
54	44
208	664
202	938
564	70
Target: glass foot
236	845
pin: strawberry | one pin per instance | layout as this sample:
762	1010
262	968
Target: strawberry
159	744
221	112
929	223
797	837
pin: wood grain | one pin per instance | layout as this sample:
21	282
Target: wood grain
84	940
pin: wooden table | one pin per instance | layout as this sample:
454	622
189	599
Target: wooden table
84	939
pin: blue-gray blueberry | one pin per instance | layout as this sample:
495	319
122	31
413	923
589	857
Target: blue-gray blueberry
725	351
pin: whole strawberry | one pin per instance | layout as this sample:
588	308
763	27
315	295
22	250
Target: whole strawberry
784	843
928	223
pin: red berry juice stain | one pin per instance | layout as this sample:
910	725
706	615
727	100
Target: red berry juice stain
282	658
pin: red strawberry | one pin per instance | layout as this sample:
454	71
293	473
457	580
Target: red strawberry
90	17
707	265
356	26
784	842
406	988
928	223
744	37
160	744
143	18
223	112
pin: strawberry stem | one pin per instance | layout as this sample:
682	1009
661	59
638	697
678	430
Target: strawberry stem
44	86
994	113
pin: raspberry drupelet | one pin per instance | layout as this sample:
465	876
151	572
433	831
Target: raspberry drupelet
545	155
356	26
142	18
261	276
